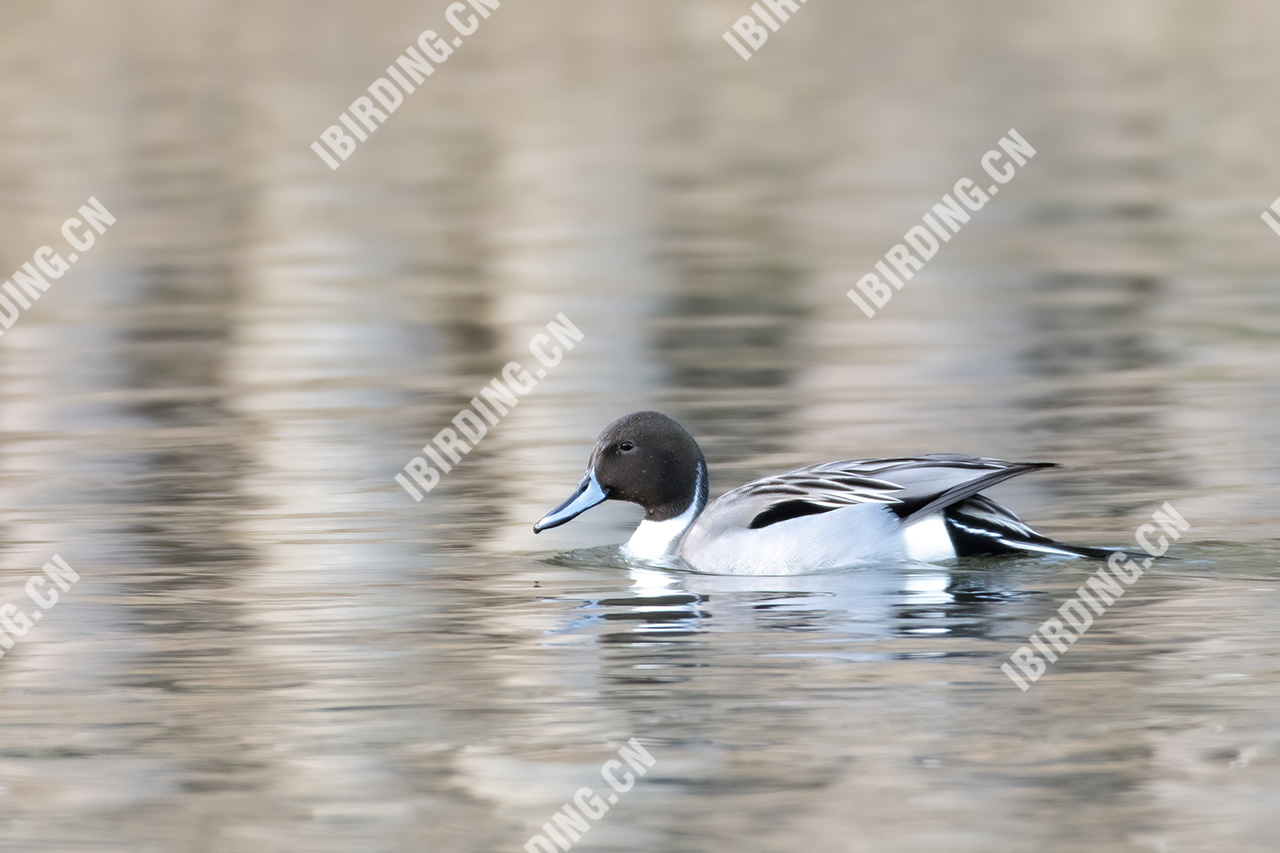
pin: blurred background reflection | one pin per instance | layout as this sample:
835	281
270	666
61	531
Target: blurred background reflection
274	648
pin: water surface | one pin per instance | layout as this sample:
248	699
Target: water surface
274	648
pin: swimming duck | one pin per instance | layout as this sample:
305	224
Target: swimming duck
828	516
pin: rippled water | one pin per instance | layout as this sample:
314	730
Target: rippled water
272	647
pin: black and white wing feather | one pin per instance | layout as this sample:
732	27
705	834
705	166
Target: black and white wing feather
912	487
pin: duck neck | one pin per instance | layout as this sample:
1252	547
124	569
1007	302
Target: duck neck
654	540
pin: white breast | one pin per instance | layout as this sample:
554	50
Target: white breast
654	540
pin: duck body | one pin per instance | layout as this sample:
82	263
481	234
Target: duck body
820	518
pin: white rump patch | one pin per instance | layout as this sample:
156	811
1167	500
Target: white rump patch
928	539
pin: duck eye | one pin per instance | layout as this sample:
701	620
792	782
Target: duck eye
625	446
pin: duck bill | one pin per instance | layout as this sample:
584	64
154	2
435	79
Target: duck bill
589	494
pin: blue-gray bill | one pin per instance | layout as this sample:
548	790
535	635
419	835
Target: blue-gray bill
588	494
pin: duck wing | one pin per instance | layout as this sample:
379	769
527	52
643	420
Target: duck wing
912	487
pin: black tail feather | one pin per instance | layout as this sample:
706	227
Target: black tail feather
980	527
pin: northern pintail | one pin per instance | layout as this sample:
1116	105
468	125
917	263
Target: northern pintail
829	516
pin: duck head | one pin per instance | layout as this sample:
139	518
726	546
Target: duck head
644	458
